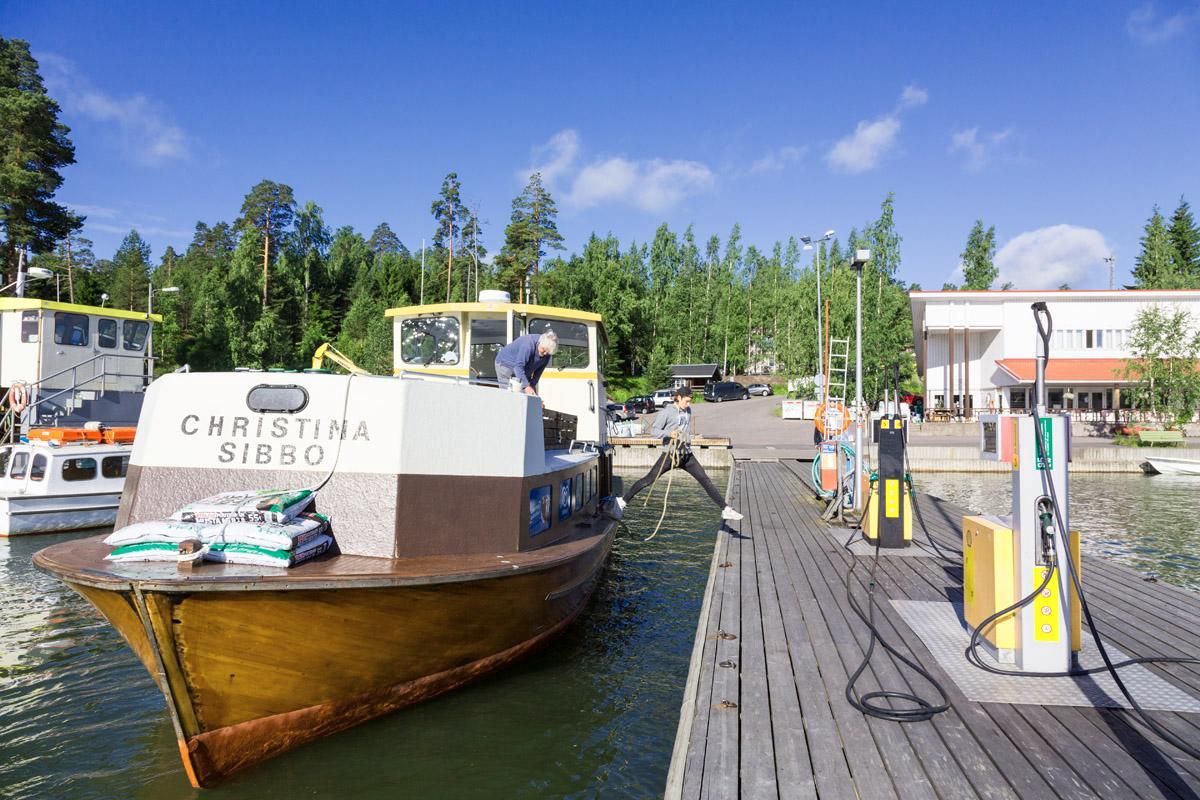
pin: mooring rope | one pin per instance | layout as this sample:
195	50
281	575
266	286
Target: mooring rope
674	452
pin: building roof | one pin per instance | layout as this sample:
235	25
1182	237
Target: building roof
1054	294
694	370
31	304
1069	370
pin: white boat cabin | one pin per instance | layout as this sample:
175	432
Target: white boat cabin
36	468
73	357
461	340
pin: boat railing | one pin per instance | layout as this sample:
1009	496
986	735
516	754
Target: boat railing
470	380
18	420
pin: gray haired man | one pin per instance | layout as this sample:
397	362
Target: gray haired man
524	359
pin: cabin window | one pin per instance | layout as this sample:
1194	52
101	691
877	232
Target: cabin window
572	341
429	340
283	399
539	510
29	326
114	466
71	329
592	483
135	334
38	471
578	491
106	332
20	462
564	500
487	337
518	327
5	457
79	469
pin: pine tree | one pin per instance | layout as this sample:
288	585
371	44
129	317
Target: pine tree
130	273
34	147
383	240
1153	268
1185	246
532	229
978	258
268	208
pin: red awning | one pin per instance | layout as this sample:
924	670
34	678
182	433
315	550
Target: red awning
1068	370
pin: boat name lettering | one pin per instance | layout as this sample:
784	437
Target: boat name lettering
279	428
283	455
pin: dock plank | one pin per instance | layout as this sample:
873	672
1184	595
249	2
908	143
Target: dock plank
794	735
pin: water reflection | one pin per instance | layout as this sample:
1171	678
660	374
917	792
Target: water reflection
592	715
1148	522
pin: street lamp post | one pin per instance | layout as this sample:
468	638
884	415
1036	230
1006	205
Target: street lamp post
150	290
811	244
861	257
30	274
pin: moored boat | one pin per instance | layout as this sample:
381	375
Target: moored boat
1170	466
47	487
467	521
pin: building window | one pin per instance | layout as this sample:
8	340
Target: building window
1016	398
1056	398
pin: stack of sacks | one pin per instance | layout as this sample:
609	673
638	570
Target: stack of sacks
265	527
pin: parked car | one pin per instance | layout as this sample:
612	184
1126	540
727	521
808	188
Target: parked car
621	411
642	404
725	390
760	389
662	397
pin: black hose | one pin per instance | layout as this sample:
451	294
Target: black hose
871	702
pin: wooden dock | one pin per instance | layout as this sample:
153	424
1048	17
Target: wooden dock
765	713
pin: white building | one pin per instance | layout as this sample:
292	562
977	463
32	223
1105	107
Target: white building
977	350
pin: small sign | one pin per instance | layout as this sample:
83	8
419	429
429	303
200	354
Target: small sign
564	500
539	510
1045	458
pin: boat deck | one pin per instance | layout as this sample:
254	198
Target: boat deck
765	713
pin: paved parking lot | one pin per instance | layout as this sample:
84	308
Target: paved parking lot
749	423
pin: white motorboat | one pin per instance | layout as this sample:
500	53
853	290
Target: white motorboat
51	488
1170	466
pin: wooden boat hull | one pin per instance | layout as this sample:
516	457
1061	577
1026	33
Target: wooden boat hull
250	673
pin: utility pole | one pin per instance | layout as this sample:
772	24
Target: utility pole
1111	260
422	272
861	257
450	260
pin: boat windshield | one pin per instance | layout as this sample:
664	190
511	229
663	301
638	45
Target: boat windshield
20	463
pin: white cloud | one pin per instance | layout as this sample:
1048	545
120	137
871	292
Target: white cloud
651	185
871	140
93	212
145	130
1048	257
144	230
1145	26
863	149
777	160
913	96
977	148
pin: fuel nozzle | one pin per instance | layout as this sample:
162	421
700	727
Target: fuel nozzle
1045	513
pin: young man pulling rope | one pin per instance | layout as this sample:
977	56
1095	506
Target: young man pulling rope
674	426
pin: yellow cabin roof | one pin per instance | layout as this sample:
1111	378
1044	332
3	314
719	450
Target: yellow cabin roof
517	308
28	304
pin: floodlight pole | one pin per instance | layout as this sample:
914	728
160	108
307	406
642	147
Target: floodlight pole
861	257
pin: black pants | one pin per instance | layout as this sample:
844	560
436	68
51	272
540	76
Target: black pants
687	462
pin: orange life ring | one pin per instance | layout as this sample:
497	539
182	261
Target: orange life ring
18	397
831	415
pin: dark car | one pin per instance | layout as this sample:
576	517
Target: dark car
725	390
642	404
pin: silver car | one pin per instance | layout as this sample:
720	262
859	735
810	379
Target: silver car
760	389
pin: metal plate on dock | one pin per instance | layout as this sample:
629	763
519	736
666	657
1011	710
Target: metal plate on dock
941	626
861	547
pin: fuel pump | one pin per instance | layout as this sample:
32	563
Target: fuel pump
887	521
1025	555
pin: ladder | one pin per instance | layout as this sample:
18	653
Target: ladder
835	392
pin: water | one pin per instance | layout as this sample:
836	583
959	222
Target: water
1151	523
593	715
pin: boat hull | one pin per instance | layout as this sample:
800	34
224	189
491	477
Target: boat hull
250	674
1170	466
33	514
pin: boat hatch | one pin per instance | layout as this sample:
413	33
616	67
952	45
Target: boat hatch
285	399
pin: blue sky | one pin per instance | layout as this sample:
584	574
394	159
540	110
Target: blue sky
1061	124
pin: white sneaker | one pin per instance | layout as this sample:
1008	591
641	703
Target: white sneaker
729	513
621	503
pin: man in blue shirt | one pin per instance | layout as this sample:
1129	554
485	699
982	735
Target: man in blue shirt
524	359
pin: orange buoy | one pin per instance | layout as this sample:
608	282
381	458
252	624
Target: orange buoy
18	397
832	418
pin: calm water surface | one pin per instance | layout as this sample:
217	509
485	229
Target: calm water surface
1151	523
593	715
